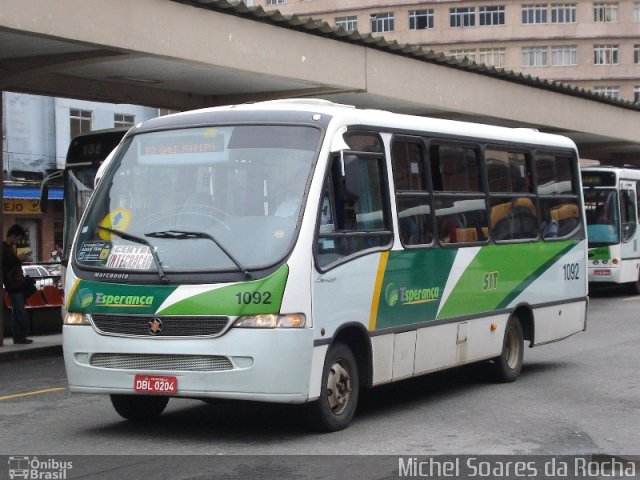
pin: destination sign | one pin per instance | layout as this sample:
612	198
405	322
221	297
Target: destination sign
598	179
182	145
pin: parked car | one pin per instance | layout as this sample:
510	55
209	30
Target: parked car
40	274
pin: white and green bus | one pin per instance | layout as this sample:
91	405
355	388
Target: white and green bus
299	251
611	206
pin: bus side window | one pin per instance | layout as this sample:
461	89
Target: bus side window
413	199
459	199
513	214
353	214
557	193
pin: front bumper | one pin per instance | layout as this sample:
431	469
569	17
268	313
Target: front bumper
270	365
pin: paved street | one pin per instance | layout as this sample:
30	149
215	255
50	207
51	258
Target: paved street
579	396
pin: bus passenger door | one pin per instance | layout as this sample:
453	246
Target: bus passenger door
352	237
628	235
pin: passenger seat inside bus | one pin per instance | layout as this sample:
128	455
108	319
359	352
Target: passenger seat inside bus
515	219
567	216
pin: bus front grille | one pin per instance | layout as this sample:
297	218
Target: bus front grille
158	362
148	326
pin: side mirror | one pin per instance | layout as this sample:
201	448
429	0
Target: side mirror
44	189
352	181
44	197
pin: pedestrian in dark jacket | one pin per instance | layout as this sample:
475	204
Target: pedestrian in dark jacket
15	282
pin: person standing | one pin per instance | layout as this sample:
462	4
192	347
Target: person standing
14	282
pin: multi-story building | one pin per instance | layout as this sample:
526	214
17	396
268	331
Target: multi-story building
590	44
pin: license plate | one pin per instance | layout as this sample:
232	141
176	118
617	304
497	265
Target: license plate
602	273
155	384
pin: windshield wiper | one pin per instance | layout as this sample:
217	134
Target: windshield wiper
142	241
186	235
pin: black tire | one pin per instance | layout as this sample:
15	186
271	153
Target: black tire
139	407
634	287
506	368
338	400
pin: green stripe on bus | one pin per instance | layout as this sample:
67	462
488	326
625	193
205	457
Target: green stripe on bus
262	296
412	287
498	274
534	276
599	253
253	297
415	282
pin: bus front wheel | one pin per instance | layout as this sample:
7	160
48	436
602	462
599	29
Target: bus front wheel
139	407
506	368
336	406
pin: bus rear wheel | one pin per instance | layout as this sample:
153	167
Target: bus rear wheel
506	367
139	407
336	406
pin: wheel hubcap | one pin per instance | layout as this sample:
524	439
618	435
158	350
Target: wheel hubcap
512	349
338	387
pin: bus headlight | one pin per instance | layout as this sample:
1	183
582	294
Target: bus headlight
293	320
74	318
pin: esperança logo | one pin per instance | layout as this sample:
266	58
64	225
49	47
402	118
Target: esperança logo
107	300
410	296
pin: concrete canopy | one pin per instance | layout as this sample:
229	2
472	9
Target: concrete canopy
195	53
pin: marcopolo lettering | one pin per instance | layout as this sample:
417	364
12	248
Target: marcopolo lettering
106	300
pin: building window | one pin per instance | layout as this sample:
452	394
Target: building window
605	12
462	17
606	55
491	15
564	55
636	94
350	24
493	57
382	22
80	121
534	13
122	120
613	92
166	111
420	19
534	56
463	54
275	2
563	13
636	12
636	54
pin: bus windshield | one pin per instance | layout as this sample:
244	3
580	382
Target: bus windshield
200	200
603	220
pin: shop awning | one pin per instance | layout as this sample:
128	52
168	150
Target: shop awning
31	193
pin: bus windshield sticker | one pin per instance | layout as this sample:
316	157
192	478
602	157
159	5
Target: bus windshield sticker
118	219
130	257
94	251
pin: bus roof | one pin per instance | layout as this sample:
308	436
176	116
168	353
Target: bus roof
621	173
297	109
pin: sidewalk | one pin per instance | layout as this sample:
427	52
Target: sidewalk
42	345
